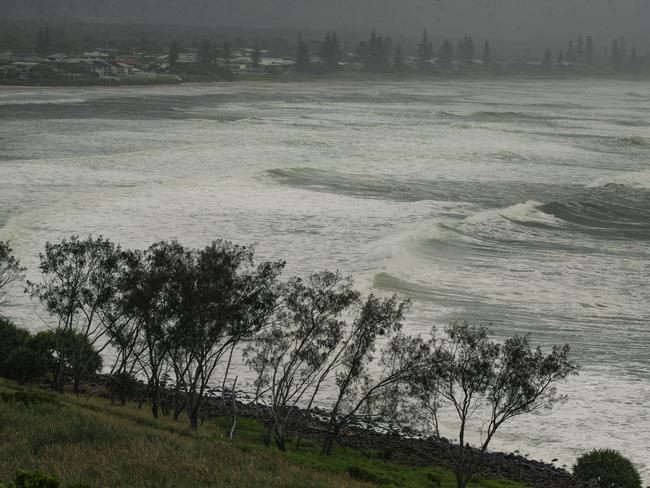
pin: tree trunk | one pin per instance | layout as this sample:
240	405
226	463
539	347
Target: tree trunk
194	419
60	377
179	410
280	439
331	436
154	408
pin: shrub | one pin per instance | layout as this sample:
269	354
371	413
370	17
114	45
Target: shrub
25	479
33	480
434	479
123	386
25	365
605	468
361	474
28	398
11	338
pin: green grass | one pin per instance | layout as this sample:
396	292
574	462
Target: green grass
89	440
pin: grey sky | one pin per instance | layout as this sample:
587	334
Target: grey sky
539	20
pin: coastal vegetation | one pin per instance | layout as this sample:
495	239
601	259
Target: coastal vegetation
87	441
603	468
175	317
39	59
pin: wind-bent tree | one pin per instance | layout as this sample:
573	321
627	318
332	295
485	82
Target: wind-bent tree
296	355
124	332
356	386
225	300
10	269
78	279
152	297
497	382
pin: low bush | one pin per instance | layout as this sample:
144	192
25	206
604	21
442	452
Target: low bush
33	480
25	479
605	468
27	398
361	474
25	365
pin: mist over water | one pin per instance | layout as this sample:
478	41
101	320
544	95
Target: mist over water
522	204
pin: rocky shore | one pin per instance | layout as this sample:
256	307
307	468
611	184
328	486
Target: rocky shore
405	447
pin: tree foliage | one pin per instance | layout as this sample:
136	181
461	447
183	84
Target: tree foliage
425	52
303	58
605	468
478	377
78	284
173	53
445	55
10	269
330	51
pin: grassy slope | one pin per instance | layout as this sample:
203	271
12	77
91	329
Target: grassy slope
92	441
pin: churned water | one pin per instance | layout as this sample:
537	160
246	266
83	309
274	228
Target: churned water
523	204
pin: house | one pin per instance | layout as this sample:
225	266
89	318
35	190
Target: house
103	68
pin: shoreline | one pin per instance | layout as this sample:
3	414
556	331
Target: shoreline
395	443
346	77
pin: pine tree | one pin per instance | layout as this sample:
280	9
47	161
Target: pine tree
173	53
570	53
330	51
580	49
398	60
445	55
256	56
377	58
46	41
425	52
466	50
487	54
616	53
214	52
560	59
389	47
204	53
547	61
621	45
226	53
589	49
39	41
303	59
43	41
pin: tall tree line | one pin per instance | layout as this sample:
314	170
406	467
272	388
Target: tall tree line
176	316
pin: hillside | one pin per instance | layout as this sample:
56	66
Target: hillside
89	440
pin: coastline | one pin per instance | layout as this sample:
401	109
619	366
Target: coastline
395	443
345	77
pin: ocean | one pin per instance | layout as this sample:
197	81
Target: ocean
522	204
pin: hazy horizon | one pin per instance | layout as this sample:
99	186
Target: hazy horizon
535	21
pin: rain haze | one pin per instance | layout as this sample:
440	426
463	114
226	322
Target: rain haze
390	200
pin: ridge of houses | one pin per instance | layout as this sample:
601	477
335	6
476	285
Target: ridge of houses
107	64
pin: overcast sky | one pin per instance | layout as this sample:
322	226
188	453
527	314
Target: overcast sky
500	19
